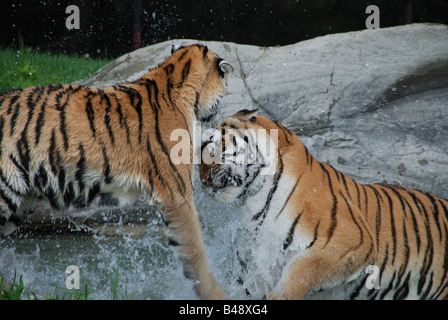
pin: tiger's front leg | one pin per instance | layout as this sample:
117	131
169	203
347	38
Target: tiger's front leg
314	270
185	237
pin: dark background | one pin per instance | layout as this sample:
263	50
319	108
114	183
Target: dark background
110	28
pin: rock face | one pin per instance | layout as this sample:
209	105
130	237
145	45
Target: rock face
372	103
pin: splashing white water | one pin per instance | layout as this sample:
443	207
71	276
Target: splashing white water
148	268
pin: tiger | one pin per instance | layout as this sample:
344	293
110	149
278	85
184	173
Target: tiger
74	146
308	231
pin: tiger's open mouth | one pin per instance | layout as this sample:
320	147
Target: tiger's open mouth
222	180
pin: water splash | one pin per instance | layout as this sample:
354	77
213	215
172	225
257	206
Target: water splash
148	268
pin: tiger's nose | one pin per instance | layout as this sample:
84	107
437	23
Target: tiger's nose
206	180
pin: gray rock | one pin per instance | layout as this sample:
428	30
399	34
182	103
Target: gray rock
372	103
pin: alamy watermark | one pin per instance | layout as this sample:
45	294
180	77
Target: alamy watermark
239	147
72	281
373	20
373	280
73	20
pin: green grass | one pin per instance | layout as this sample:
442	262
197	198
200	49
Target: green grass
16	291
26	68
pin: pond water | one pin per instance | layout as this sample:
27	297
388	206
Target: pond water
148	268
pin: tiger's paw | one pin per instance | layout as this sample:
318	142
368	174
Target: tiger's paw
210	292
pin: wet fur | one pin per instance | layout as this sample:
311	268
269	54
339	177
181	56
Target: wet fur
310	231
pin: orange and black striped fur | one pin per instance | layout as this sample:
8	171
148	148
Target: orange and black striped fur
309	231
77	146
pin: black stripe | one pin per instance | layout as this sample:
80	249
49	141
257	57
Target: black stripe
185	72
173	243
289	196
52	197
41	178
379	199
182	55
22	170
402	292
24	153
61	108
414	223
53	154
264	211
358	195
361	240
436	213
333	209
445	259
389	287
22	144
94	190
204	53
249	182
120	114
196	105
69	194
392	223
366	199
13	100
2	124
91	116
344	182
123	122
383	264
61	179
13	119
316	228
169	69
429	252
8	185
106	167
290	236
357	290
444	282
81	168
395	189
40	121
428	288
136	102
52	88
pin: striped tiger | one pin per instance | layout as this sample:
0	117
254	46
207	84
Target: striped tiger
309	231
76	147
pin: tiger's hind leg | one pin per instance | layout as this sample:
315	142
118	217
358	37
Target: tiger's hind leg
185	238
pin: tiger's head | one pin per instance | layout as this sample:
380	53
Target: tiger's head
239	156
197	74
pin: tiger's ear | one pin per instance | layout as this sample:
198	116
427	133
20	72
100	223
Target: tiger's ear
246	114
175	47
225	67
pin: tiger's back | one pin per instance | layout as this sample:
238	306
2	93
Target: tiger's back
309	231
